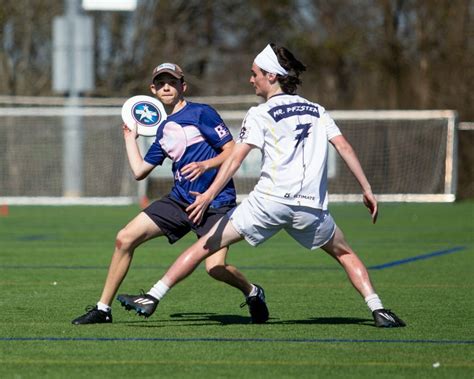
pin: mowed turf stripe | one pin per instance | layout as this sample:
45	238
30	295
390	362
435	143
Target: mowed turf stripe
286	268
213	339
187	362
155	267
418	257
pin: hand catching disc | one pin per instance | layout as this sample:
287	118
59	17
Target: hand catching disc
144	111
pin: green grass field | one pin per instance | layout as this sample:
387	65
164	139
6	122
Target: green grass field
53	262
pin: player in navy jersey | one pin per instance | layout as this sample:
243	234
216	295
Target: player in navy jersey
197	141
193	134
292	134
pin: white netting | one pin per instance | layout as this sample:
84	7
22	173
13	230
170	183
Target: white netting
32	154
407	156
398	156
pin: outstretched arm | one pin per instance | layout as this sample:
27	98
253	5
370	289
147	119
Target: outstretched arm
194	170
349	156
139	167
229	167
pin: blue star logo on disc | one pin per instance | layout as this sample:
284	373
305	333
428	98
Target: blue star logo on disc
146	114
143	112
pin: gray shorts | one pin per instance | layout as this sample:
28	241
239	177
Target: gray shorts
257	219
171	217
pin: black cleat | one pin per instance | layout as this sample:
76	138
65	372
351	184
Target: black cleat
93	316
385	318
257	306
144	304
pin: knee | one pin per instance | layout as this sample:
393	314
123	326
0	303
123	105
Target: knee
341	252
349	260
345	255
338	248
124	242
214	270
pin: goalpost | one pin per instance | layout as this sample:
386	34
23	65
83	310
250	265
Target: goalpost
45	162
407	156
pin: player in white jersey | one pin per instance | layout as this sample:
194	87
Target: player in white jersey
294	164
291	194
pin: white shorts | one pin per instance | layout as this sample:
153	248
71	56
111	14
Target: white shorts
257	219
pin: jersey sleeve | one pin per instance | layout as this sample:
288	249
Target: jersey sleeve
213	128
332	129
155	154
251	131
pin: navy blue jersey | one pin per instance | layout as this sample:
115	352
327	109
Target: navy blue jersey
194	134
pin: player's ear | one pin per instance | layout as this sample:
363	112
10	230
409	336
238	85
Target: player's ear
272	78
185	86
153	89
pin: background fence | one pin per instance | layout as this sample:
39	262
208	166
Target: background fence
407	155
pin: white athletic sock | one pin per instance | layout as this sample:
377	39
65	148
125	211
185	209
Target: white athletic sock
159	290
103	307
373	302
254	291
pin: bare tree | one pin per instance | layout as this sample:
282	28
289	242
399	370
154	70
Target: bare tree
25	57
364	54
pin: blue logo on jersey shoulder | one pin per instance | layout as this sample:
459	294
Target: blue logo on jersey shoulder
294	109
146	113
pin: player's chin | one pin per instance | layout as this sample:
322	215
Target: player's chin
167	100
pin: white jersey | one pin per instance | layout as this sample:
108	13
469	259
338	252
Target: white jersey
293	135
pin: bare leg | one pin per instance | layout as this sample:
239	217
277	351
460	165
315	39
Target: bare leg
221	235
340	250
220	270
137	231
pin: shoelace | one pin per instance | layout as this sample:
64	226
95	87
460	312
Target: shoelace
90	308
247	300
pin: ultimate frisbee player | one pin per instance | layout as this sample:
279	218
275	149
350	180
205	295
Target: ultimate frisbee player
291	194
196	139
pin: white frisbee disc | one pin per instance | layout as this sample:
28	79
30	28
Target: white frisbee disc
144	111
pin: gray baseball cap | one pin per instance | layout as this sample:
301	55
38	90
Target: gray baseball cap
169	68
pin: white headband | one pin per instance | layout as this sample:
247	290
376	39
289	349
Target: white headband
268	61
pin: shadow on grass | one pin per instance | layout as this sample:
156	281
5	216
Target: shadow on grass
190	319
213	319
327	321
